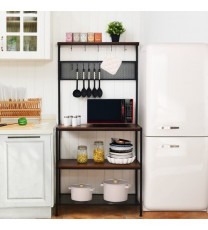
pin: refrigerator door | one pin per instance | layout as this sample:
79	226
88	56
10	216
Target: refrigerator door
175	173
175	97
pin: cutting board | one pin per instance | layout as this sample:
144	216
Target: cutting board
19	127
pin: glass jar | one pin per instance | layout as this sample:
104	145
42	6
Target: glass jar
98	153
82	155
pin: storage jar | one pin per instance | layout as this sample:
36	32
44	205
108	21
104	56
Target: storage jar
82	155
98	153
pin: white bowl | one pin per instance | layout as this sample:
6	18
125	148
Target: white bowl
121	161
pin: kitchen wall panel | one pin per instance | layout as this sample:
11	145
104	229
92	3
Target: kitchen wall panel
40	79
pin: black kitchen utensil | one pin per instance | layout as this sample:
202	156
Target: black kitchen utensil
84	91
89	91
76	92
94	91
99	90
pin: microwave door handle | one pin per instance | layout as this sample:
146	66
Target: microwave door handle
122	111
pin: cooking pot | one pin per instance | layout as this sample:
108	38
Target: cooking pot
81	192
115	190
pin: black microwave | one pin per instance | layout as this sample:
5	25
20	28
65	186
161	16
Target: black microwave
109	111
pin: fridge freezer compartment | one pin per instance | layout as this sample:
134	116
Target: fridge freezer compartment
175	173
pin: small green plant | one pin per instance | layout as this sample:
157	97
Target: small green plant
115	28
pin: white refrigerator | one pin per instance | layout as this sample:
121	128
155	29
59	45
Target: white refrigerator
173	111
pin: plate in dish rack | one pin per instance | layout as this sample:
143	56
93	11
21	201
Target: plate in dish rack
121	161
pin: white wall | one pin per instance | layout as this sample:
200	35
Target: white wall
174	26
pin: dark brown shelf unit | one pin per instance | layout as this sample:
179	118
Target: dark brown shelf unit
71	164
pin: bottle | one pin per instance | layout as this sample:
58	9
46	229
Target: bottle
98	153
82	155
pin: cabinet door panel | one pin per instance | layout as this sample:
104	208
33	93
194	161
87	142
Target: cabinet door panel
25	170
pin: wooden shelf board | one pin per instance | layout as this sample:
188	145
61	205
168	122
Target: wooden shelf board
98	43
72	164
101	127
97	199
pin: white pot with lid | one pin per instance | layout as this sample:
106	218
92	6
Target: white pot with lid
115	190
81	192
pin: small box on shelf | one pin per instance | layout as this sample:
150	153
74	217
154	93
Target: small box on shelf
90	37
98	37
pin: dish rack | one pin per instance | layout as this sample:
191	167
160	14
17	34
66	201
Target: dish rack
24	108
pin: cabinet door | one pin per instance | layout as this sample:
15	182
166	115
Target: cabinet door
175	173
176	96
26	171
25	35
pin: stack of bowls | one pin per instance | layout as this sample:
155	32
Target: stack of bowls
120	152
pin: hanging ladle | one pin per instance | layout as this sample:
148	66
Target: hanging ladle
89	91
76	92
84	91
99	90
94	91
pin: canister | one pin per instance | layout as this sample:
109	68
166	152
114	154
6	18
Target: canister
98	153
76	37
74	121
82	156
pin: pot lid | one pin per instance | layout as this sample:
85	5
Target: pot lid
81	186
115	181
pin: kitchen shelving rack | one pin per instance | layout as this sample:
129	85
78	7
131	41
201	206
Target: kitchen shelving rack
69	164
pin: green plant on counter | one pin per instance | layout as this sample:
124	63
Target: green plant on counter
116	28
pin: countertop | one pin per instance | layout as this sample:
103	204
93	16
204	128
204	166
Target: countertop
45	125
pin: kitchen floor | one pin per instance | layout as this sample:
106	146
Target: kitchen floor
121	212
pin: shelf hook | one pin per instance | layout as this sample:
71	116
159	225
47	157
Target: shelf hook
125	48
71	48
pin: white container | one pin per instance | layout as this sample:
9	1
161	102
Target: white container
74	121
115	190
81	192
78	120
67	120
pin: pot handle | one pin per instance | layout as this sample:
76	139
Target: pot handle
127	186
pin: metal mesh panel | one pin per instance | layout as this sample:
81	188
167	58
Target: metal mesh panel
127	71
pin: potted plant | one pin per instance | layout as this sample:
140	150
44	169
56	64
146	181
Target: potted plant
115	29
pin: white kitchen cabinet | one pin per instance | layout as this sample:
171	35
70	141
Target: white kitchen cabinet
25	35
26	169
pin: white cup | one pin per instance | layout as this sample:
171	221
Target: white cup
74	121
67	120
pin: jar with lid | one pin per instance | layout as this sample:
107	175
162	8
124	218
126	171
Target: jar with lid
82	155
98	153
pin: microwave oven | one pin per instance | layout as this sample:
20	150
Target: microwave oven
113	111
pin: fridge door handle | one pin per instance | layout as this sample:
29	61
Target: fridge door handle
169	146
169	127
